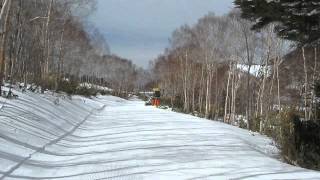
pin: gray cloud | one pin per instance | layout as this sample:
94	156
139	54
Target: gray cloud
139	29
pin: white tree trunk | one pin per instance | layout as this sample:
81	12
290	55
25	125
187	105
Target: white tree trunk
185	78
313	104
278	82
305	84
5	10
46	68
2	12
207	96
227	96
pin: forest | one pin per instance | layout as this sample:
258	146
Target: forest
256	67
51	44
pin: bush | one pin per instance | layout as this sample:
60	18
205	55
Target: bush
48	83
242	123
286	137
255	124
166	101
298	140
272	126
143	97
307	139
178	102
120	94
85	91
103	92
68	87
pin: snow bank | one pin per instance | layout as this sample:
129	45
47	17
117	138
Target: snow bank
33	121
102	88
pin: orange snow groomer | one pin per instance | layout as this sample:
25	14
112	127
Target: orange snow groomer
156	97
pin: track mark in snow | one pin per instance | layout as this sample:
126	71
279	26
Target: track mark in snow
128	140
39	150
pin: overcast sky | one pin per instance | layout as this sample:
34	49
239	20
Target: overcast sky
139	29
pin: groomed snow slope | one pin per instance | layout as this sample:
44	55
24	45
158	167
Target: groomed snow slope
111	138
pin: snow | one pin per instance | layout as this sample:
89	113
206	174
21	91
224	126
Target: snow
254	69
111	138
314	12
102	88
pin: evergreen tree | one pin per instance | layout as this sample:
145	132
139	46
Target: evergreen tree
297	20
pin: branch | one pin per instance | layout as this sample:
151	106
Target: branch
38	17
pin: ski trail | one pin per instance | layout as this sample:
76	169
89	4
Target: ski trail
127	140
40	150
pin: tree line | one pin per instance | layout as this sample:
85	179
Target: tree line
220	68
256	67
50	43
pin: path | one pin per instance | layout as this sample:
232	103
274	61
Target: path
130	141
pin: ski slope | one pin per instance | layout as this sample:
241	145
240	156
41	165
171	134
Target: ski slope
111	138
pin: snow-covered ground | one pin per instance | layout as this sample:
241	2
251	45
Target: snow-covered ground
102	88
111	138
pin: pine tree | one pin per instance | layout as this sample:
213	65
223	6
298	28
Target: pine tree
297	20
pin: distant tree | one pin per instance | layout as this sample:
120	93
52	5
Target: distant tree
48	43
